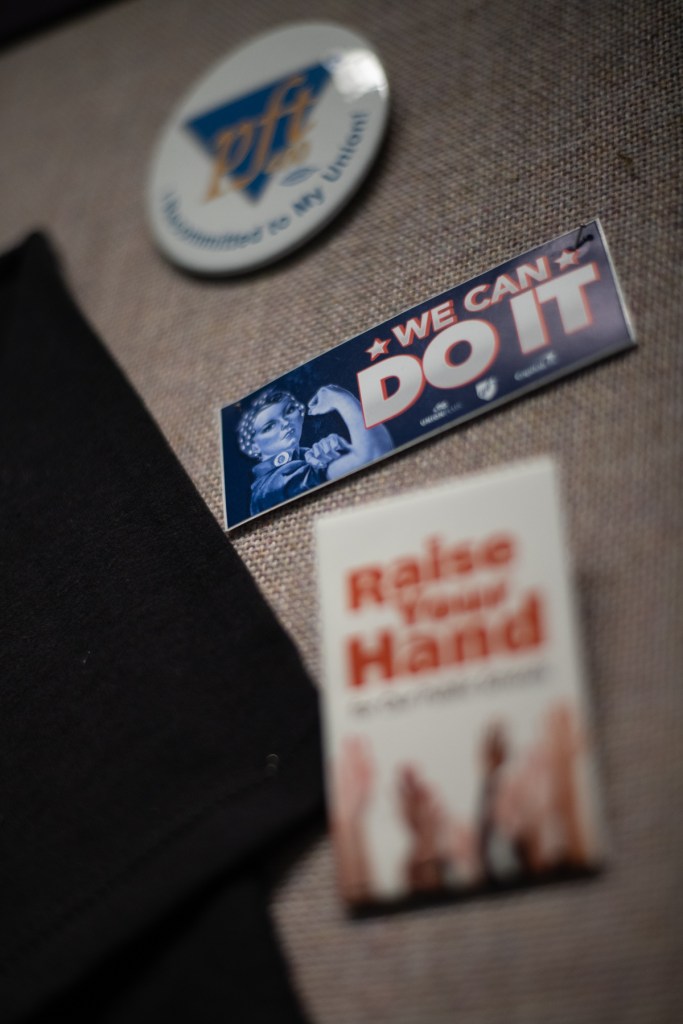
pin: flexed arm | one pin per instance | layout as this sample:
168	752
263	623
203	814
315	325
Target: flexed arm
365	445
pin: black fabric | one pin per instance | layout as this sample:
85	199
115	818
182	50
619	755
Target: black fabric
144	687
215	958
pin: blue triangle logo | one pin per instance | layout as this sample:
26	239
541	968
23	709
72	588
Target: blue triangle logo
251	138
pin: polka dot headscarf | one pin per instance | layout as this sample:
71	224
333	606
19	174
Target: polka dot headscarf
245	427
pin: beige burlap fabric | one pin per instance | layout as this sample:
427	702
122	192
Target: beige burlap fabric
512	122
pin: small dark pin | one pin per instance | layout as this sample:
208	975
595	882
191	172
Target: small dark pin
272	764
580	239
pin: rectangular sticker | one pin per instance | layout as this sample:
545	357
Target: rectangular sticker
530	321
457	729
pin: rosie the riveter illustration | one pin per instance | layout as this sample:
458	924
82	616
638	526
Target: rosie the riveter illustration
270	431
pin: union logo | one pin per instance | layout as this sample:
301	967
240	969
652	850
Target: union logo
250	139
487	389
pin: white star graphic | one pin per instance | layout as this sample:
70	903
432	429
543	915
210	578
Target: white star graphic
378	348
568	257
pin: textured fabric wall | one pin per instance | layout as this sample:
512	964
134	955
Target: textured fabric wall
511	123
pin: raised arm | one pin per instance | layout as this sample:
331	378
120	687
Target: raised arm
365	445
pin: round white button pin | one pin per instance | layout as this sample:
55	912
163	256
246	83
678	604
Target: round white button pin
267	148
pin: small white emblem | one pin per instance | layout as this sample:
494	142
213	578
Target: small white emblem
487	389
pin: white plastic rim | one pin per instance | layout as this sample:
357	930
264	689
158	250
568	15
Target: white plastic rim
266	148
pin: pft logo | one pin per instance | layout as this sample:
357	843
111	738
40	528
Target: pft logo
251	138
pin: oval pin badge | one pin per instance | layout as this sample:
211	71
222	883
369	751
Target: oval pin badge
266	148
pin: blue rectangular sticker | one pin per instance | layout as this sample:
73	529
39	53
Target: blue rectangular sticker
538	317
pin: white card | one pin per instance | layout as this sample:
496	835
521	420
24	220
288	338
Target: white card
458	736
